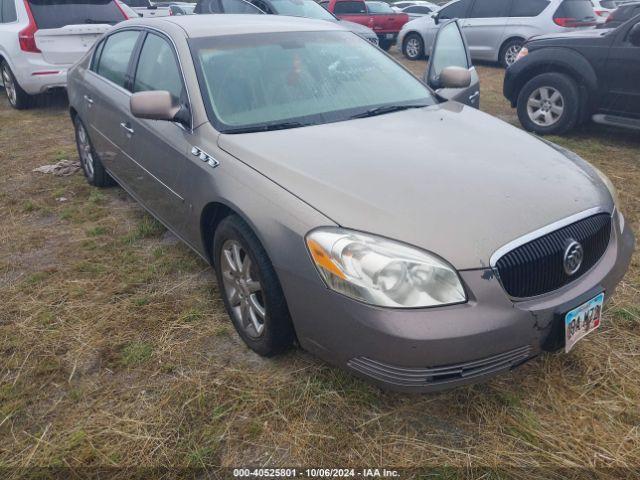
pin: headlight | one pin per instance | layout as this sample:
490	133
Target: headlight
524	51
382	272
609	185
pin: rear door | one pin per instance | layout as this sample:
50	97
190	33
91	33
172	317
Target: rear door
450	50
484	27
160	148
622	75
107	99
68	29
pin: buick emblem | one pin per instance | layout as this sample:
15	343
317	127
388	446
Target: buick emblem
573	256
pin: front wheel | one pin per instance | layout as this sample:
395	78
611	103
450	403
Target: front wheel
250	289
549	104
18	98
413	46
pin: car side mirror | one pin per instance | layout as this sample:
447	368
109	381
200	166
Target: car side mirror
154	105
634	35
454	77
436	18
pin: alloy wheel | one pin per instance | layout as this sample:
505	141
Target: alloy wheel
545	106
412	48
242	288
86	154
511	54
9	85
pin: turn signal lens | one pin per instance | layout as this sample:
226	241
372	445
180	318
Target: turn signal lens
382	272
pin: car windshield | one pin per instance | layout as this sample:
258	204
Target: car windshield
301	8
379	7
292	79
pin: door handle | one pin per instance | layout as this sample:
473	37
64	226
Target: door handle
88	99
127	128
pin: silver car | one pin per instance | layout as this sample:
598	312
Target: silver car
346	205
496	29
421	10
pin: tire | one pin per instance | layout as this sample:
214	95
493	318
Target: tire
18	98
92	167
509	51
244	301
413	46
554	121
385	44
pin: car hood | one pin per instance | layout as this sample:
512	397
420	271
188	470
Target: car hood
585	33
446	178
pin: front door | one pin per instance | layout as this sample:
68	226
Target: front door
450	50
160	148
622	74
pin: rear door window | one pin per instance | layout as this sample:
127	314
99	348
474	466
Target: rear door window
455	10
8	11
350	8
116	54
489	9
528	8
60	13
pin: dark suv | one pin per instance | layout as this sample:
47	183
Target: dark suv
561	80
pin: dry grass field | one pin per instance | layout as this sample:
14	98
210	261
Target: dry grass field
115	350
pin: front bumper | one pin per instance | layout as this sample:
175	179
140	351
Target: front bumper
432	349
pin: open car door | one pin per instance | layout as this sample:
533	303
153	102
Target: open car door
448	61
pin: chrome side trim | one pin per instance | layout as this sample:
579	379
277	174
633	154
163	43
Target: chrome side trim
541	232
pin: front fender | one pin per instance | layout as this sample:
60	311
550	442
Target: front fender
552	59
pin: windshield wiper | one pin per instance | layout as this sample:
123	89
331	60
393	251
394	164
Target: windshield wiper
266	128
372	112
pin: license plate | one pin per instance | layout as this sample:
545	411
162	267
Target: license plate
389	36
581	321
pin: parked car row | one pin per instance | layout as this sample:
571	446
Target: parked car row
296	8
146	8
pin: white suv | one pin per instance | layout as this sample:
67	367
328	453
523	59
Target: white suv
495	30
41	39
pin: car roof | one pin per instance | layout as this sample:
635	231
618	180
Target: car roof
213	25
